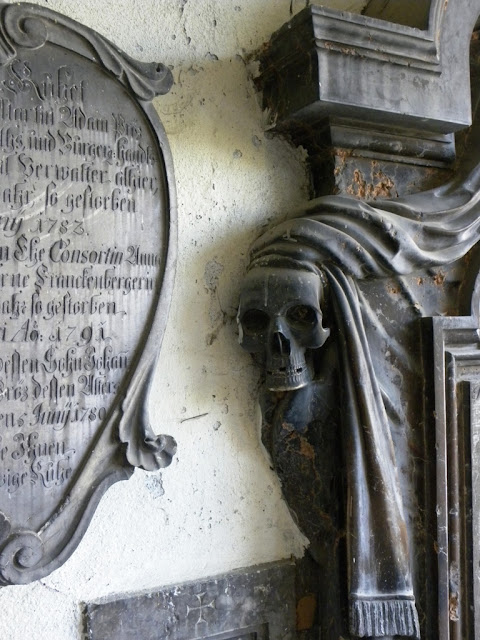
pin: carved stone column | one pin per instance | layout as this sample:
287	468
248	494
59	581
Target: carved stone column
374	102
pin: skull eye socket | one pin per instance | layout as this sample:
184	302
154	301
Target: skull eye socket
302	316
255	321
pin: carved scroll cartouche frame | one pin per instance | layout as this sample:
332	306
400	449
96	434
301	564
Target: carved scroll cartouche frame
87	254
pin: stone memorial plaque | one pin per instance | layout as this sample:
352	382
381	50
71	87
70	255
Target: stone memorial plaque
86	271
247	604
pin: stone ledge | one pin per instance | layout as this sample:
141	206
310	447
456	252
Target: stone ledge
257	603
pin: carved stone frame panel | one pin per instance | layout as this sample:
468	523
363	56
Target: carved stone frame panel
456	343
124	439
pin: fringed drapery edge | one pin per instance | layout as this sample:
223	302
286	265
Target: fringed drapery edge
384	617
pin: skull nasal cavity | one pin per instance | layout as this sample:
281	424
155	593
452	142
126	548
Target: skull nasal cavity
280	344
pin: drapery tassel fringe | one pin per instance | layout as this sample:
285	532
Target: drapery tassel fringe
395	617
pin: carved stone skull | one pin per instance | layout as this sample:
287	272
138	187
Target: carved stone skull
279	317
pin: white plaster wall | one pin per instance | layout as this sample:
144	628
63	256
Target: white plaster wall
218	506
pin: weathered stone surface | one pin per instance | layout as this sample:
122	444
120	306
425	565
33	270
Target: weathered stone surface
86	268
396	73
352	89
407	388
253	604
456	375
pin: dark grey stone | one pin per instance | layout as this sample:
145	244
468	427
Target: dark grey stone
374	101
456	387
250	604
87	250
374	435
396	73
371	418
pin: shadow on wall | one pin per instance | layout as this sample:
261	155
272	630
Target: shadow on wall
232	181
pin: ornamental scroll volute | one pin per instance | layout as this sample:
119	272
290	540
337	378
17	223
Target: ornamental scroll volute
86	270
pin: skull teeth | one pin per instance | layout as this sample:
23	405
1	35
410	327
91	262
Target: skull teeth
286	370
287	378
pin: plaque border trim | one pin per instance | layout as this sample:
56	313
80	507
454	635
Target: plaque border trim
30	555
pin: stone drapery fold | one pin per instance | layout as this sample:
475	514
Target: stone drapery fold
346	240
